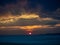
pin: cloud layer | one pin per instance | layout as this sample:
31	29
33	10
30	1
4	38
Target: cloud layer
28	15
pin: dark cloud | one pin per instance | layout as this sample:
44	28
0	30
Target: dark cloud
21	6
46	30
53	14
12	31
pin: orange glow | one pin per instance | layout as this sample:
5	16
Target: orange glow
57	25
47	18
29	16
11	18
44	19
27	28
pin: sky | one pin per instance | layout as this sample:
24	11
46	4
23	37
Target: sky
29	16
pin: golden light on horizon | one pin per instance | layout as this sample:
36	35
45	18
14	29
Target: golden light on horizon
26	28
30	28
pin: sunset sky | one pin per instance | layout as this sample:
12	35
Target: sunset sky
29	17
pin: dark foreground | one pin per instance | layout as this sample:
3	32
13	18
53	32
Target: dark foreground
30	39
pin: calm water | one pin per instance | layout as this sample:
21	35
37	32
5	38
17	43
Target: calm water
30	39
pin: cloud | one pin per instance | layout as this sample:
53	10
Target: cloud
52	14
25	6
27	19
58	25
26	15
35	29
28	22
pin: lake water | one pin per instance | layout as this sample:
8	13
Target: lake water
29	39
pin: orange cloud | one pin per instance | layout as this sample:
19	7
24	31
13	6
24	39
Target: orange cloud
26	19
11	18
27	28
57	25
